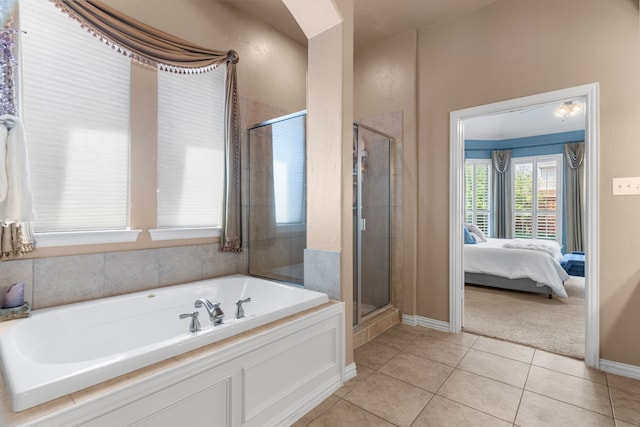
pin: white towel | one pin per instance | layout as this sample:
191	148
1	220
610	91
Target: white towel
4	133
17	207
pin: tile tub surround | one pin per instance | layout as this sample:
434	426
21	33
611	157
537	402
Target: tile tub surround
322	272
424	377
62	280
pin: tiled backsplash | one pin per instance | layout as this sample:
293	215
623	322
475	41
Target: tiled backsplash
63	280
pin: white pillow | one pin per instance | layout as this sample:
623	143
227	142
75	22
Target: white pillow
475	230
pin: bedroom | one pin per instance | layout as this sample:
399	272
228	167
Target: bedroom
524	210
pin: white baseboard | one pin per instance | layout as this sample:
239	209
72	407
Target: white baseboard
350	372
425	322
622	369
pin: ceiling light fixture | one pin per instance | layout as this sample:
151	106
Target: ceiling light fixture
568	109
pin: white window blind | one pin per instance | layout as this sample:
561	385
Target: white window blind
478	193
75	106
537	186
190	149
288	170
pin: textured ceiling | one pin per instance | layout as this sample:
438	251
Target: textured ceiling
374	20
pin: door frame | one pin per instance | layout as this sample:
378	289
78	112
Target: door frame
590	94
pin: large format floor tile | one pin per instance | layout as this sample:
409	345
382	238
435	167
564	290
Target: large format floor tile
484	394
626	405
389	398
569	389
506	349
536	410
438	351
415	370
567	365
441	412
373	355
496	367
418	377
345	414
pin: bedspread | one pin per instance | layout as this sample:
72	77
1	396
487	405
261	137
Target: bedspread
493	258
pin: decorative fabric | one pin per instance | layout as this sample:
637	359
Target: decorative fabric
502	211
231	237
149	46
16	238
141	42
574	195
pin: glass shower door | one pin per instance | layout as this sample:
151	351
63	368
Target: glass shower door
372	221
277	198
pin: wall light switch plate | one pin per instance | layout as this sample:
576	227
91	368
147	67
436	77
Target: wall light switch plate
626	186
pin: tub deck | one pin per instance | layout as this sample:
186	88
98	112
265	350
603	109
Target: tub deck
40	414
61	350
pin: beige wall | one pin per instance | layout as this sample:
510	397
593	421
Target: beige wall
262	77
514	48
329	154
385	81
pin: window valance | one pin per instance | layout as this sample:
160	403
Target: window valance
152	47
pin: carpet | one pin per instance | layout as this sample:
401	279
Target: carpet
555	325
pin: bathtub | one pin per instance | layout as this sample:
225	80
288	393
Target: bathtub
63	349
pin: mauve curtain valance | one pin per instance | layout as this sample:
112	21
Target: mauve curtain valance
150	46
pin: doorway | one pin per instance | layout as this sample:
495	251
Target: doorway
456	273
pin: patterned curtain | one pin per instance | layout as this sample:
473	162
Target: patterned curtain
574	195
150	46
501	209
16	238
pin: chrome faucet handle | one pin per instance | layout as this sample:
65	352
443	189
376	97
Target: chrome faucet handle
194	326
239	308
217	314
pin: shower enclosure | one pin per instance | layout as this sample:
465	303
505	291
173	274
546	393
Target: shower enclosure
372	186
277	231
277	198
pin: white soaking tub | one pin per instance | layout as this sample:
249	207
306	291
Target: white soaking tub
63	349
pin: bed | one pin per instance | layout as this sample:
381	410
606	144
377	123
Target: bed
518	264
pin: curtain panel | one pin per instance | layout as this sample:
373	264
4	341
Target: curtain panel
501	206
574	195
152	47
16	238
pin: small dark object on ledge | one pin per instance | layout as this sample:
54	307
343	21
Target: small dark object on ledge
15	312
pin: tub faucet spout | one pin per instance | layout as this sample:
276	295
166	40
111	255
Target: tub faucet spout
215	312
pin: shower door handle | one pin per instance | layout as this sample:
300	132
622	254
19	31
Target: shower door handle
363	224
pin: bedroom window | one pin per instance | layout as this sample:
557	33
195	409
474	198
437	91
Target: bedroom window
537	192
477	179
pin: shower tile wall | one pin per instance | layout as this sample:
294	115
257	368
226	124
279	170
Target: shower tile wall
391	124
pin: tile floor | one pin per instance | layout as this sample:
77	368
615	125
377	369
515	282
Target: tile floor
414	376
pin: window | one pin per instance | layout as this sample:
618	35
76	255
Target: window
477	178
190	149
288	170
75	94
537	189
